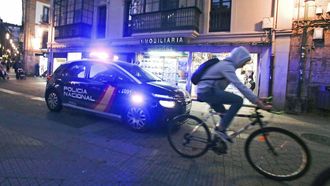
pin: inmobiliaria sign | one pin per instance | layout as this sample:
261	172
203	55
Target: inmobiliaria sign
163	40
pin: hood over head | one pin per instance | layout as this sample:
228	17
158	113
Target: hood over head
239	56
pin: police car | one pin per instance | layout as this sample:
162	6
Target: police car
120	90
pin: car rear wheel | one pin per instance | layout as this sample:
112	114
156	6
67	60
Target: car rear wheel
53	101
137	118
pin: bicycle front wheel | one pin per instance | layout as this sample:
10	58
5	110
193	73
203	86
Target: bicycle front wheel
189	136
277	153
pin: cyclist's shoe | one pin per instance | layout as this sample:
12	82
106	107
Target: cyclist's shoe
223	135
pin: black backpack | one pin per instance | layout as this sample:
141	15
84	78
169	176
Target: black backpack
199	72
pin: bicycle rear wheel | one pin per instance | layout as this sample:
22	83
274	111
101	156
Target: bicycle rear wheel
189	136
277	153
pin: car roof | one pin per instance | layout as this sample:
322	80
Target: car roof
121	63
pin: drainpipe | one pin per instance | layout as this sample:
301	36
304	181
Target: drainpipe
273	47
50	48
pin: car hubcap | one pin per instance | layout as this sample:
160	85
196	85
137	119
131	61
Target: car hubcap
136	118
52	100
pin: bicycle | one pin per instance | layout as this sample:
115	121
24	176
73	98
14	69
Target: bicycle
274	152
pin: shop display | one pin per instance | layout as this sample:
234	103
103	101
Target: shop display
172	69
164	68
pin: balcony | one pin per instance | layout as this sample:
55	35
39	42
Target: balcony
178	19
73	31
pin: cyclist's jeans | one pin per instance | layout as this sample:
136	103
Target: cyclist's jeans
217	99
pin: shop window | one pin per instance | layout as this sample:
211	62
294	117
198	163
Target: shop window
171	67
220	15
101	21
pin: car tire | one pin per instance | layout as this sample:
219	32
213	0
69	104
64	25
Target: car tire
53	100
138	119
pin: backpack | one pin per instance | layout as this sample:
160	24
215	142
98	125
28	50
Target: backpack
199	72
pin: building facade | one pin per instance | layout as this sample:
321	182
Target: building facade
309	63
10	42
171	38
36	27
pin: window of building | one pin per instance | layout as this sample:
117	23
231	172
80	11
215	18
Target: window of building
128	19
137	6
152	5
145	6
101	21
220	15
170	4
189	3
45	14
44	39
73	18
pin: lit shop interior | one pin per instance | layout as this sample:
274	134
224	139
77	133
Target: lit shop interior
173	67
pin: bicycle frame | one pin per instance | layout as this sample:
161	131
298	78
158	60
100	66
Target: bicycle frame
256	116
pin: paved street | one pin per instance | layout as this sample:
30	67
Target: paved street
38	147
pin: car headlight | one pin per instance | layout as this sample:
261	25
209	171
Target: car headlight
167	104
137	99
162	96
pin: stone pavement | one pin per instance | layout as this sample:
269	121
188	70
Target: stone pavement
35	151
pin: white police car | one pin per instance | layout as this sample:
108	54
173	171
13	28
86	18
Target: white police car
118	89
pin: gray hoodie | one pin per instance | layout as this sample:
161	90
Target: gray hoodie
226	68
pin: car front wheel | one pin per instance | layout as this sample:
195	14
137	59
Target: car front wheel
53	101
137	119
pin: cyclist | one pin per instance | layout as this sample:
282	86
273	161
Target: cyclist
217	78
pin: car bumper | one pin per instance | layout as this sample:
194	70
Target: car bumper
161	115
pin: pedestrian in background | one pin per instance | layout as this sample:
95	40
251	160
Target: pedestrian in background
8	65
36	70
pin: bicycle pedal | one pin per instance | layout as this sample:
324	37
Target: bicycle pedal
219	146
220	152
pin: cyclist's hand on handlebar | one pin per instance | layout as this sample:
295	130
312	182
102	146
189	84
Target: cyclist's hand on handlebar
261	104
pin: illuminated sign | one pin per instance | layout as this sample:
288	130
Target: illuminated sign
163	40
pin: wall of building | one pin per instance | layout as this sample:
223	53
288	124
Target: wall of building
29	32
33	31
313	91
247	15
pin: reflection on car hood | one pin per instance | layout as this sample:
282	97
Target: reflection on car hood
163	86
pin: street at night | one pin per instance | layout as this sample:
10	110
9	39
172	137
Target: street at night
165	92
39	147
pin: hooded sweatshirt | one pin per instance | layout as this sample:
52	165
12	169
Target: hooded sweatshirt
226	69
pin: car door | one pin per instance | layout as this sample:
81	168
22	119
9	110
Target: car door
108	85
98	87
73	91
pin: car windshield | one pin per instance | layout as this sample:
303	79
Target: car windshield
141	74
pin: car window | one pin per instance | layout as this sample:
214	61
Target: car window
97	69
76	71
110	74
141	74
